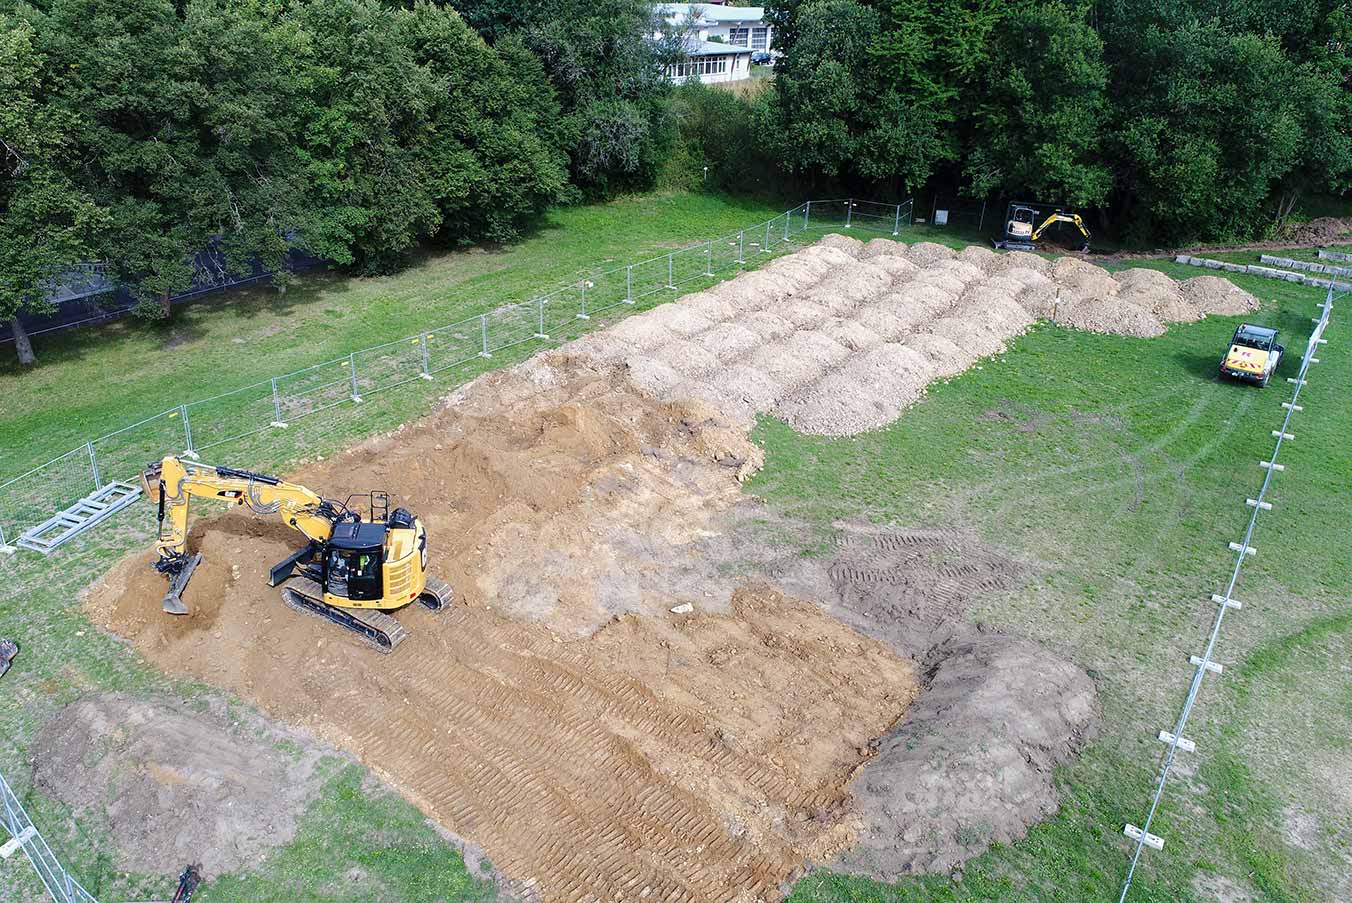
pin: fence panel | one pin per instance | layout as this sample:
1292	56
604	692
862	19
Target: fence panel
727	255
123	455
314	389
215	421
31	498
512	325
649	277
606	290
828	214
389	365
453	345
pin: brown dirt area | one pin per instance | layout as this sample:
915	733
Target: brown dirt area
148	769
593	743
600	746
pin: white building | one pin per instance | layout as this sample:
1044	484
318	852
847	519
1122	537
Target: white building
722	40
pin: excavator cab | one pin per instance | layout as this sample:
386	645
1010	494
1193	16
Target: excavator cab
353	567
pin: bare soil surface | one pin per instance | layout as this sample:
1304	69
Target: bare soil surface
600	746
971	763
174	784
595	744
840	337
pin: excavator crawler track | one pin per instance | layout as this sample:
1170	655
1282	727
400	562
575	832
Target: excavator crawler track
436	595
377	629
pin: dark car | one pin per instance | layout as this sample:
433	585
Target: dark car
762	58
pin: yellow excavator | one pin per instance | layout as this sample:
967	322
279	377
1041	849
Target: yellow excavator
351	571
1024	226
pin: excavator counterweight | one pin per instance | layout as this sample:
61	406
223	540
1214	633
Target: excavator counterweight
351	571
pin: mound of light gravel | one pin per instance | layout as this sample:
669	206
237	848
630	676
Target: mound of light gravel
883	247
851	246
841	336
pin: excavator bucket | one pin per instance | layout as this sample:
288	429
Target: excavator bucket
150	481
173	600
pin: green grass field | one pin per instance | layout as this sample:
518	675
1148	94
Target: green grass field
1117	468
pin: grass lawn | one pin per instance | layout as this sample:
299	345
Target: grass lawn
1116	468
92	381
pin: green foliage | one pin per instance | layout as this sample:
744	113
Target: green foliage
1179	120
45	218
145	131
599	55
718	129
1062	157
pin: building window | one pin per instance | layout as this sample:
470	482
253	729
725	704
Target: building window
758	36
738	36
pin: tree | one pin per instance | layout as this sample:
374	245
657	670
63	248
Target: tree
45	218
1039	120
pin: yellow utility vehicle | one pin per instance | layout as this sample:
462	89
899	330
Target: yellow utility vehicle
1254	354
351	571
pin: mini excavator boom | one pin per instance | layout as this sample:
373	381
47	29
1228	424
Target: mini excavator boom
1023	230
351	570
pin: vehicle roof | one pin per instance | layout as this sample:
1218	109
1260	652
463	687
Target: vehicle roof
1256	330
357	536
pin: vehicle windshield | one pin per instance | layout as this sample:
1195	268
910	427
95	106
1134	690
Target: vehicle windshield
1253	336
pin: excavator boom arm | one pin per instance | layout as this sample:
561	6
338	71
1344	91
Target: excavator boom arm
174	482
1072	218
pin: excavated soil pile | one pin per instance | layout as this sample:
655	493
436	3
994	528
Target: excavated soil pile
971	763
172	784
842	336
596	745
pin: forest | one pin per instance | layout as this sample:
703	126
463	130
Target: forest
138	132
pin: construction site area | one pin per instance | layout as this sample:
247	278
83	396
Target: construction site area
672	667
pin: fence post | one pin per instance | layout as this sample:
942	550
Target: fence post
896	222
187	431
540	329
807	212
352	373
766	246
709	260
982	223
483	336
849	212
671	282
910	212
94	465
629	284
741	246
786	226
5	548
426	358
277	420
583	315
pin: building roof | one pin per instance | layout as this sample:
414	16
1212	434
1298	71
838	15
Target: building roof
714	48
715	13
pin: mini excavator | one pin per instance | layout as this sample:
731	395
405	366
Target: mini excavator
351	571
1023	229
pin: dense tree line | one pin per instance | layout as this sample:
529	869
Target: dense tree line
139	132
1176	119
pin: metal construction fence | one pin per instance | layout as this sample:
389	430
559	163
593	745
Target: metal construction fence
24	834
206	424
1176	739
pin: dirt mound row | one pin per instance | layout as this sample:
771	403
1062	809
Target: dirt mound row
864	297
